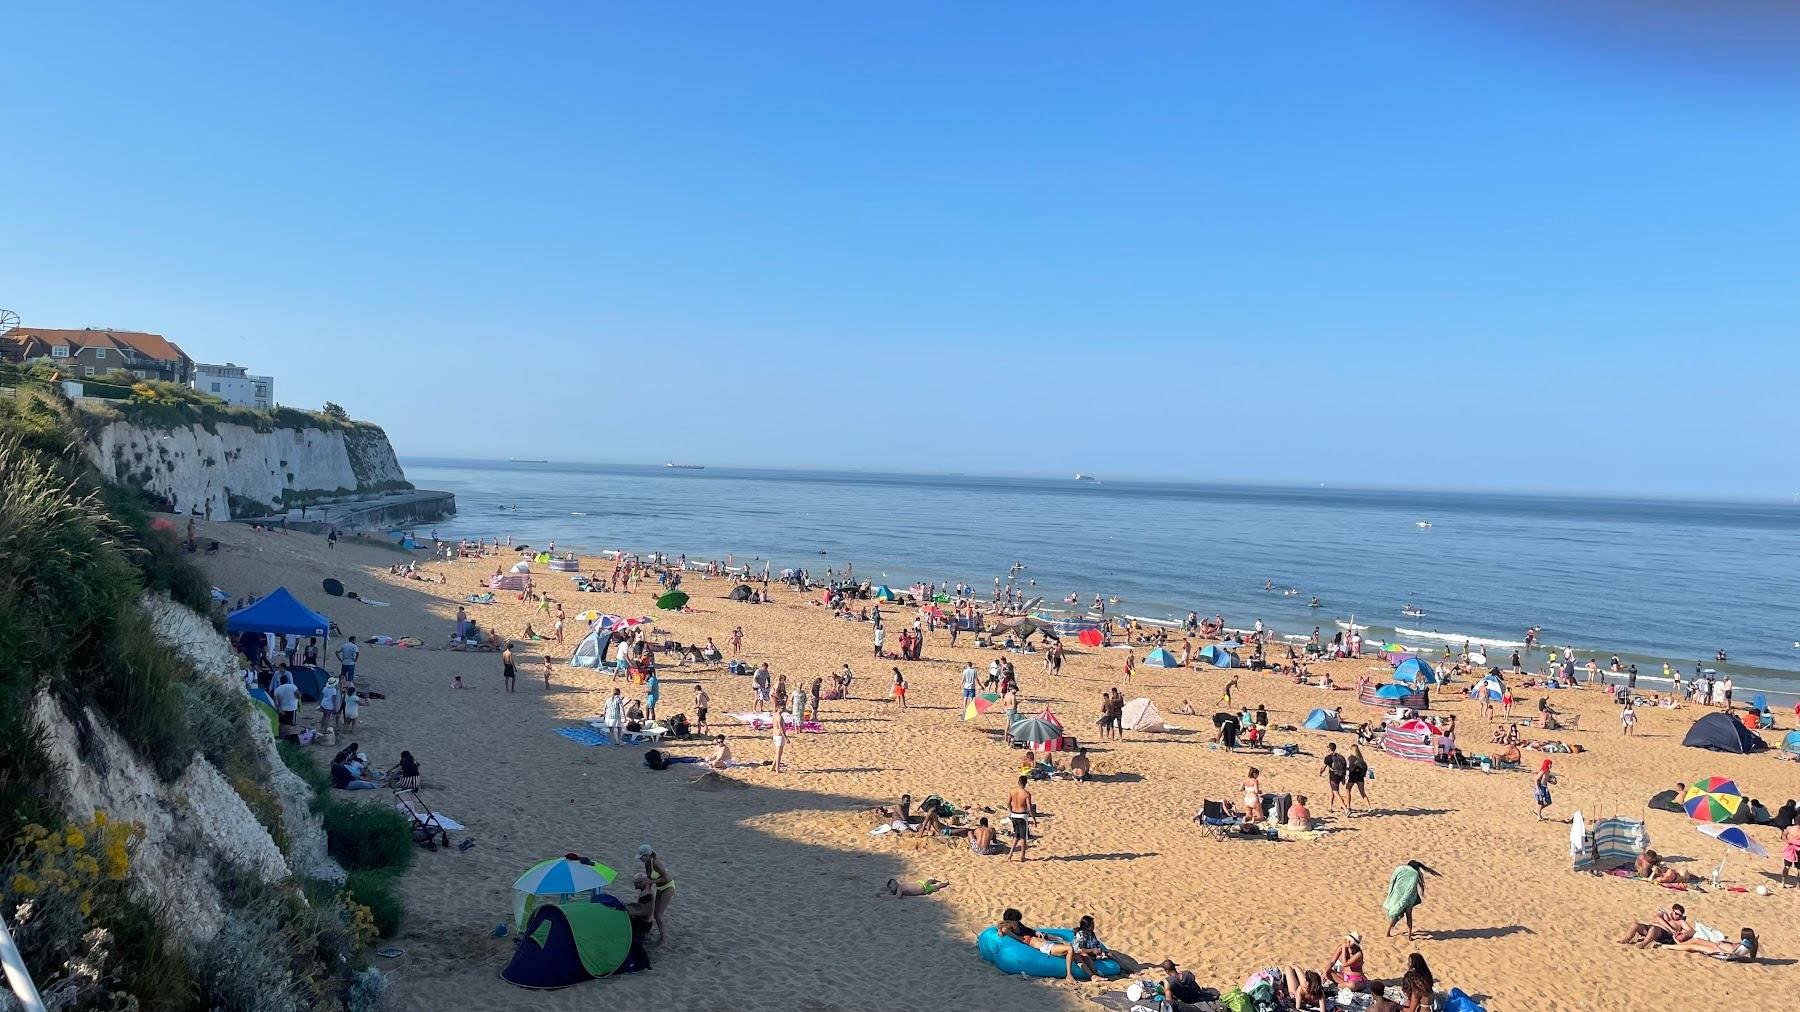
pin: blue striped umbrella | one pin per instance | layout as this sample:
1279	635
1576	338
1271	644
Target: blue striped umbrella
562	876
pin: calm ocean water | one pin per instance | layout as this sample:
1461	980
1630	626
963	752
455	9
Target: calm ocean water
1650	580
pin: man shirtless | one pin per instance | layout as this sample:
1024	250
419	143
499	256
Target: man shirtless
1021	810
721	757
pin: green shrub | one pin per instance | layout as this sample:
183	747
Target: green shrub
295	758
367	837
139	690
375	890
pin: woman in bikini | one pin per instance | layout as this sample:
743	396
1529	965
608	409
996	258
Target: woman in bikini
665	888
1346	966
926	887
1253	799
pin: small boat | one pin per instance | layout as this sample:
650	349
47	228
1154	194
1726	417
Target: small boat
687	467
1085	477
1411	611
1422	524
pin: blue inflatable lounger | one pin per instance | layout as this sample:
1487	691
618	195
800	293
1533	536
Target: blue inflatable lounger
1012	956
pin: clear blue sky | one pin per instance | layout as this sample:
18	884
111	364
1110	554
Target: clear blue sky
1380	241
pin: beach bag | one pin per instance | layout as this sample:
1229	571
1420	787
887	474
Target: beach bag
656	760
1235	1000
1460	1002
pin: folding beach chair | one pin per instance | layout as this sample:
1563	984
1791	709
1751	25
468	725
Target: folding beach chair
426	830
1216	821
649	734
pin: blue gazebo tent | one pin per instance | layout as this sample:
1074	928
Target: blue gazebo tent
279	613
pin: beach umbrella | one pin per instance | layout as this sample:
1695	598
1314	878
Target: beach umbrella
1395	690
1037	733
1230	644
1731	836
1091	638
1713	799
332	587
980	704
588	616
674	600
1396	648
562	876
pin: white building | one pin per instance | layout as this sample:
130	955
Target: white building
234	385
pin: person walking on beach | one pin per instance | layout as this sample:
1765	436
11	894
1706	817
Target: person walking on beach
969	675
880	638
508	672
1627	717
779	725
900	688
652	691
1230	683
1356	775
1334	768
759	684
1406	890
1020	811
1541	789
737	640
1130	663
818	696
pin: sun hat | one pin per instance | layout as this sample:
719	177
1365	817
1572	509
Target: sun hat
1354	937
645	850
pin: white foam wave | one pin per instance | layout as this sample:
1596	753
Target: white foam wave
1456	637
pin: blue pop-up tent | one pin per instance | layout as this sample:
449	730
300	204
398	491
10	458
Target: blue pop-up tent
1414	671
1323	720
279	613
1160	658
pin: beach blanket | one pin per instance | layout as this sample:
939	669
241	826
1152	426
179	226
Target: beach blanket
479	598
1299	835
1403	891
585	735
439	817
766	722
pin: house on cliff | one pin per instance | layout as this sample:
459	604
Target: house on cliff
91	352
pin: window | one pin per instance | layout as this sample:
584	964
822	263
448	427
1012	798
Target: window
99	353
59	351
87	370
139	373
215	388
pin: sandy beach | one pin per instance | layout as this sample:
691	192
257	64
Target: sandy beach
777	876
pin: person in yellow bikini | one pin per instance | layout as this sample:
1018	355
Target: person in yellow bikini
665	888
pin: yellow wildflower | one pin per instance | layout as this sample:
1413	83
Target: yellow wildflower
99	818
75	839
23	885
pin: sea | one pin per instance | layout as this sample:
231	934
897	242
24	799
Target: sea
1649	580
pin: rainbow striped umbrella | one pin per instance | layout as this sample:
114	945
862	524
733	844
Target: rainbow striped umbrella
980	704
561	877
1713	799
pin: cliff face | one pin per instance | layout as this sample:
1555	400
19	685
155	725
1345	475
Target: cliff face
246	470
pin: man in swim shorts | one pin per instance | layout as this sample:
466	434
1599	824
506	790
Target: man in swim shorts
1020	810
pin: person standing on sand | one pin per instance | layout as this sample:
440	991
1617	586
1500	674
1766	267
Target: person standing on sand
701	702
1406	890
508	672
665	889
818	695
347	655
1021	811
1541	789
900	688
880	638
652	691
615	717
969	677
1130	663
779	725
737	640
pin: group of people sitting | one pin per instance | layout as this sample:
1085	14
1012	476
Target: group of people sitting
1671	929
350	768
935	818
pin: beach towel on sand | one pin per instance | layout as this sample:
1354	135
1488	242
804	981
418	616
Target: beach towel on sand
1403	891
584	735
